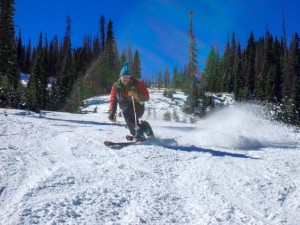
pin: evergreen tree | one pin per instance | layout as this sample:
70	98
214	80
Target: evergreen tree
193	69
136	70
167	77
296	88
193	103
227	66
66	77
230	81
291	101
54	58
79	62
27	60
129	56
37	94
88	53
159	80
44	95
175	78
259	56
267	62
20	54
250	65
225	69
96	48
32	92
9	77
102	33
273	83
123	58
237	71
110	58
212	80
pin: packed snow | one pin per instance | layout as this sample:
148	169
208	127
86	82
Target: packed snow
233	167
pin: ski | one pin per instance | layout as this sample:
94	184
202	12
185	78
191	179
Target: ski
111	143
130	141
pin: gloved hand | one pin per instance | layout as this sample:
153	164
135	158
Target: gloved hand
133	94
112	117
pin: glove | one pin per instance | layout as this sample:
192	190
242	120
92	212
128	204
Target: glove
133	94
112	117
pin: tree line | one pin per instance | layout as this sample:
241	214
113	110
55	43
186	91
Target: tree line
60	76
266	71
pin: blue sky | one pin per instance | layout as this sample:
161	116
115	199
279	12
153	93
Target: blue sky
158	28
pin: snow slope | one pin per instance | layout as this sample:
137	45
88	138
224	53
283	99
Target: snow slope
234	167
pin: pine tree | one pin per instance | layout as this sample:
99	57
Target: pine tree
212	81
259	56
20	54
193	69
225	69
159	80
37	94
193	103
136	70
267	62
167	77
9	77
110	58
129	55
291	101
44	95
279	56
32	92
230	85
175	78
102	33
297	75
27	60
66	76
237	71
96	48
123	58
250	73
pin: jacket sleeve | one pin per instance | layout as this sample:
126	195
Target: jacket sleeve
113	100
144	93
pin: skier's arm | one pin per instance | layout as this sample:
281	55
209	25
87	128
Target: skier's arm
113	100
144	93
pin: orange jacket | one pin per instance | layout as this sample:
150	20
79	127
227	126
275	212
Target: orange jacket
119	94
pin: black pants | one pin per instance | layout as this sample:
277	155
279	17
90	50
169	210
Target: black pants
130	117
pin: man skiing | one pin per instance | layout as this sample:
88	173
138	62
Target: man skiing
130	94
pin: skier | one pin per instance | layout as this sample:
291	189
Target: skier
130	94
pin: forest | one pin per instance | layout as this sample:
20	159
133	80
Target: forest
267	71
60	77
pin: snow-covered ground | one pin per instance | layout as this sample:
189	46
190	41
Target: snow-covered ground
233	167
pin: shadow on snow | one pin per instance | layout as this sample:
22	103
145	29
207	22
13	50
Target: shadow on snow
173	145
83	122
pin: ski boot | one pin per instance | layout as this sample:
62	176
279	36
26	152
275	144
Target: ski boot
139	136
146	128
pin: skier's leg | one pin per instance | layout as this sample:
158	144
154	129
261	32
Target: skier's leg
130	120
147	129
143	125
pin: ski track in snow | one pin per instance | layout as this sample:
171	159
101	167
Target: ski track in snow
55	169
